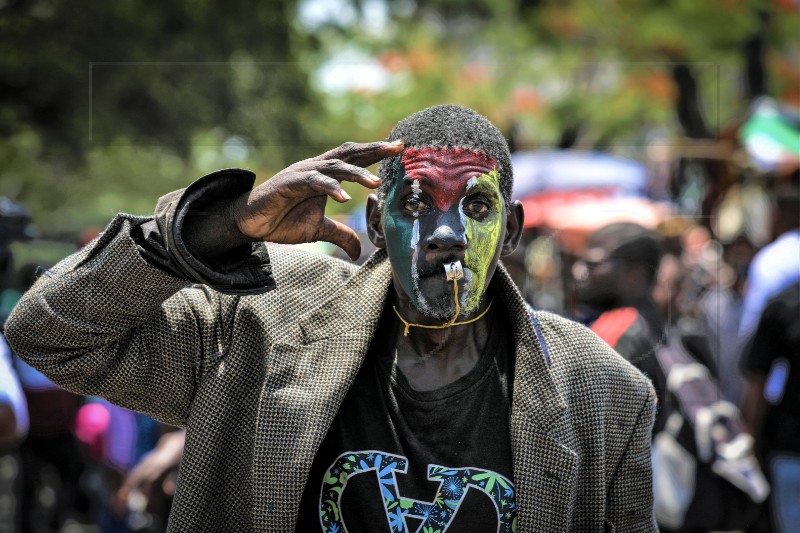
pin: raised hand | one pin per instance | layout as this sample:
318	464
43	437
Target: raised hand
289	208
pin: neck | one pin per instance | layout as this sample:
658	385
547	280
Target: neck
443	343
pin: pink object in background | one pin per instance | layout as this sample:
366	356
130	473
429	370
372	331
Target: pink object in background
91	424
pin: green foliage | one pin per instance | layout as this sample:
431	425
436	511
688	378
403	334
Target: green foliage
106	106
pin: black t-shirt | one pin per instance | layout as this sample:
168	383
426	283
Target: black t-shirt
396	459
774	352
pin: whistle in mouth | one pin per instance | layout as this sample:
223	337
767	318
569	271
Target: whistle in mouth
453	270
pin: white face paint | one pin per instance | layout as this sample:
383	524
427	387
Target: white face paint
416	190
444	309
461	214
415	237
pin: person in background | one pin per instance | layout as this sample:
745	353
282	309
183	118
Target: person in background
719	308
14	415
115	439
13	408
777	265
152	480
771	405
13	429
52	462
614	281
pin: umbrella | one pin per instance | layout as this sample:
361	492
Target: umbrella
571	223
559	170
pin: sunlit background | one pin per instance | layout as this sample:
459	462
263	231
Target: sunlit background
108	105
680	115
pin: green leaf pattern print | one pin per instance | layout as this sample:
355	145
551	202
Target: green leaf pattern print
436	515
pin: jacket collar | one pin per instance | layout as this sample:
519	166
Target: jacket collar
357	307
544	468
354	307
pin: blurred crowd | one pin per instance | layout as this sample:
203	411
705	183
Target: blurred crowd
715	323
711	315
70	463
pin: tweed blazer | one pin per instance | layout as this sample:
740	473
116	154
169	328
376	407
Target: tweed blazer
258	380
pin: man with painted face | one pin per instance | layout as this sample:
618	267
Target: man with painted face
417	392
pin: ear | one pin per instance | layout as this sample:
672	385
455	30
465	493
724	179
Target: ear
514	223
375	222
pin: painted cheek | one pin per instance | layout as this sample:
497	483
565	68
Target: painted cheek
483	237
399	241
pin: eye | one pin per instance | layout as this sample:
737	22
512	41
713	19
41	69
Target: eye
414	204
477	206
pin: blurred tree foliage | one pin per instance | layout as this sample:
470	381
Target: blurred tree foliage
106	106
601	72
610	74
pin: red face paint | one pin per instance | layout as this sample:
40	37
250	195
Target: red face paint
444	173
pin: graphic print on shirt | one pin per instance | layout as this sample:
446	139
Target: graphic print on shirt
436	515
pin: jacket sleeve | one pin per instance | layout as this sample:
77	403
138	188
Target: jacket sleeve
243	270
630	495
105	322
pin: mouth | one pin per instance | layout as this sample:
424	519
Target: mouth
438	269
434	293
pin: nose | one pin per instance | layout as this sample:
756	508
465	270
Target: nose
449	235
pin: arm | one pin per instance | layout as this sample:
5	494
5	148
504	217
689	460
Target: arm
109	323
758	355
753	405
289	208
630	495
105	322
150	475
8	426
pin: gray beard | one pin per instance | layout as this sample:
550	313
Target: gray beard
442	307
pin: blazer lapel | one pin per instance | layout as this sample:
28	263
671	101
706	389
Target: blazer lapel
311	368
544	468
309	371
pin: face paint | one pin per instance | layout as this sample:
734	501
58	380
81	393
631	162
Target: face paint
454	190
483	237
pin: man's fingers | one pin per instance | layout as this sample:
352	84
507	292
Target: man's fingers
363	154
336	168
329	186
342	236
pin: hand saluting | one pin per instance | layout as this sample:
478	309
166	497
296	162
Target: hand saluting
289	208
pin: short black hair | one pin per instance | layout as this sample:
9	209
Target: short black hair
445	127
632	244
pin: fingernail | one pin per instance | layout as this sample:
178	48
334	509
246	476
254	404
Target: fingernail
346	196
396	143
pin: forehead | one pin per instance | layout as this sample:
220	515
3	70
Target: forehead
437	167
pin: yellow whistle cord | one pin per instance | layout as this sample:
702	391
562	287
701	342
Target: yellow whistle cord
458	307
449	323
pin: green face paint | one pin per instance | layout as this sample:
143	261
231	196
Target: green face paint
401	243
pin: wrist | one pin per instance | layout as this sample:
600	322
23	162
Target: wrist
213	230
